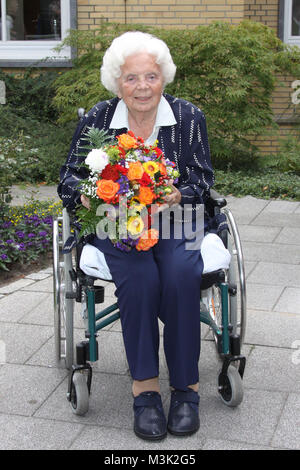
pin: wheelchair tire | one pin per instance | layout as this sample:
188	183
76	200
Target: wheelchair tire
79	399
62	283
230	387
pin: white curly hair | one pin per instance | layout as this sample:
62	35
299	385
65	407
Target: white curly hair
130	43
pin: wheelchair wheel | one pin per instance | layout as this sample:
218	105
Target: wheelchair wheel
79	399
236	300
62	283
236	276
230	387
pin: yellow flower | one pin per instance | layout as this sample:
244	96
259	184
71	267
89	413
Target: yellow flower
136	209
135	225
151	167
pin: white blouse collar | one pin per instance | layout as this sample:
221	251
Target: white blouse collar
164	116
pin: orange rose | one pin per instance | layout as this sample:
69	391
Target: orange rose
107	189
147	240
145	195
135	171
127	141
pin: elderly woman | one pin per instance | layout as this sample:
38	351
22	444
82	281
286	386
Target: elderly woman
165	281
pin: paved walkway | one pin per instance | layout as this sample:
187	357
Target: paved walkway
34	412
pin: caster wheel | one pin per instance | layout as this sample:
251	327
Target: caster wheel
230	387
79	398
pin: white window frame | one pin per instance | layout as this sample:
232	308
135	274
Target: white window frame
287	25
32	52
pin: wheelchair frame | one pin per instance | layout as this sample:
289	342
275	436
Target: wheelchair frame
221	310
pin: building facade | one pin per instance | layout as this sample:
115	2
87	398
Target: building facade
30	30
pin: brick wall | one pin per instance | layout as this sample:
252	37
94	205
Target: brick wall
263	11
165	13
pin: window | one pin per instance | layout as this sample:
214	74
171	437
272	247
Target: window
290	26
30	29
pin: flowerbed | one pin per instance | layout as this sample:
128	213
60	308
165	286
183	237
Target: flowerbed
26	232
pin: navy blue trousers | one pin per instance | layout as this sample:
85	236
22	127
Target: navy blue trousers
163	282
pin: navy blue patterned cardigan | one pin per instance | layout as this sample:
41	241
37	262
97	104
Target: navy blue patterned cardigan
185	143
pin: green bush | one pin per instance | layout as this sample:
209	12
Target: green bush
33	146
229	71
264	184
30	94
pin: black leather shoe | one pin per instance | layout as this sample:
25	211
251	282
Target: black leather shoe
149	418
184	413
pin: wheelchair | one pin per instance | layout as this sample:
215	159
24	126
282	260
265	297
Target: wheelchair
222	308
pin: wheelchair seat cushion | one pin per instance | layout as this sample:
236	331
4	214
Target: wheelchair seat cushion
215	256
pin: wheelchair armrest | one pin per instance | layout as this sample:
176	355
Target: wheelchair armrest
216	200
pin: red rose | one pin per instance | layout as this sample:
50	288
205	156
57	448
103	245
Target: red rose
158	152
145	180
112	172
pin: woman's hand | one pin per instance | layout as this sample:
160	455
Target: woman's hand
174	197
85	201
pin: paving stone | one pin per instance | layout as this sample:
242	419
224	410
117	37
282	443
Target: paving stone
275	329
26	433
96	438
276	274
42	313
289	301
17	305
37	276
288	430
112	356
285	207
24	388
220	444
16	285
246	209
289	235
279	253
249	422
46	285
261	296
256	233
273	369
22	341
277	220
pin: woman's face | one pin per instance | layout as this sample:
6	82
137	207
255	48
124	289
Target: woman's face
141	83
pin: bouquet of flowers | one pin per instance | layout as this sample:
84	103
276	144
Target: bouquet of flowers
127	180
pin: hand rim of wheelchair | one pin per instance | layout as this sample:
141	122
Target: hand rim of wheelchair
63	307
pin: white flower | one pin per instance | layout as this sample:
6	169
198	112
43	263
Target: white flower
97	160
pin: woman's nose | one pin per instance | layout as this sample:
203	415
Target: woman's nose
142	83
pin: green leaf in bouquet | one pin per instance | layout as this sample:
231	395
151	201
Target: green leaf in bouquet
97	138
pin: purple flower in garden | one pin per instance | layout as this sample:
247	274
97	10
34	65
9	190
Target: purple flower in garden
6	224
20	234
31	235
3	256
9	241
21	247
43	233
48	220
